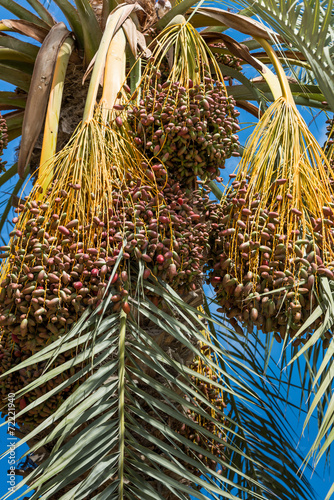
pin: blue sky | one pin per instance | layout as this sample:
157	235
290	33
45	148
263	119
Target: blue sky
321	480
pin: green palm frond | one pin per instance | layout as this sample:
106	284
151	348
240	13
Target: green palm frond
23	13
73	19
318	372
41	9
308	26
10	186
260	429
119	434
92	33
313	366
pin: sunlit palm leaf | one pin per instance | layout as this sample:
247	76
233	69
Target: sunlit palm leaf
131	392
308	26
268	439
319	371
23	13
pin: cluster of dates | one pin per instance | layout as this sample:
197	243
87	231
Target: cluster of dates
226	59
265	269
191	130
53	274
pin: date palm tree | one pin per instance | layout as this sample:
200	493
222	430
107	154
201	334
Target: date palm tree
126	398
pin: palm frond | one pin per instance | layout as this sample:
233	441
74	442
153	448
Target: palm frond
42	11
138	409
23	13
38	96
261	429
72	16
92	33
319	369
308	26
15	191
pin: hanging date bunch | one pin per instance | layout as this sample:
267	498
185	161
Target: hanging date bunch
183	115
55	263
62	255
54	273
274	236
3	141
64	247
